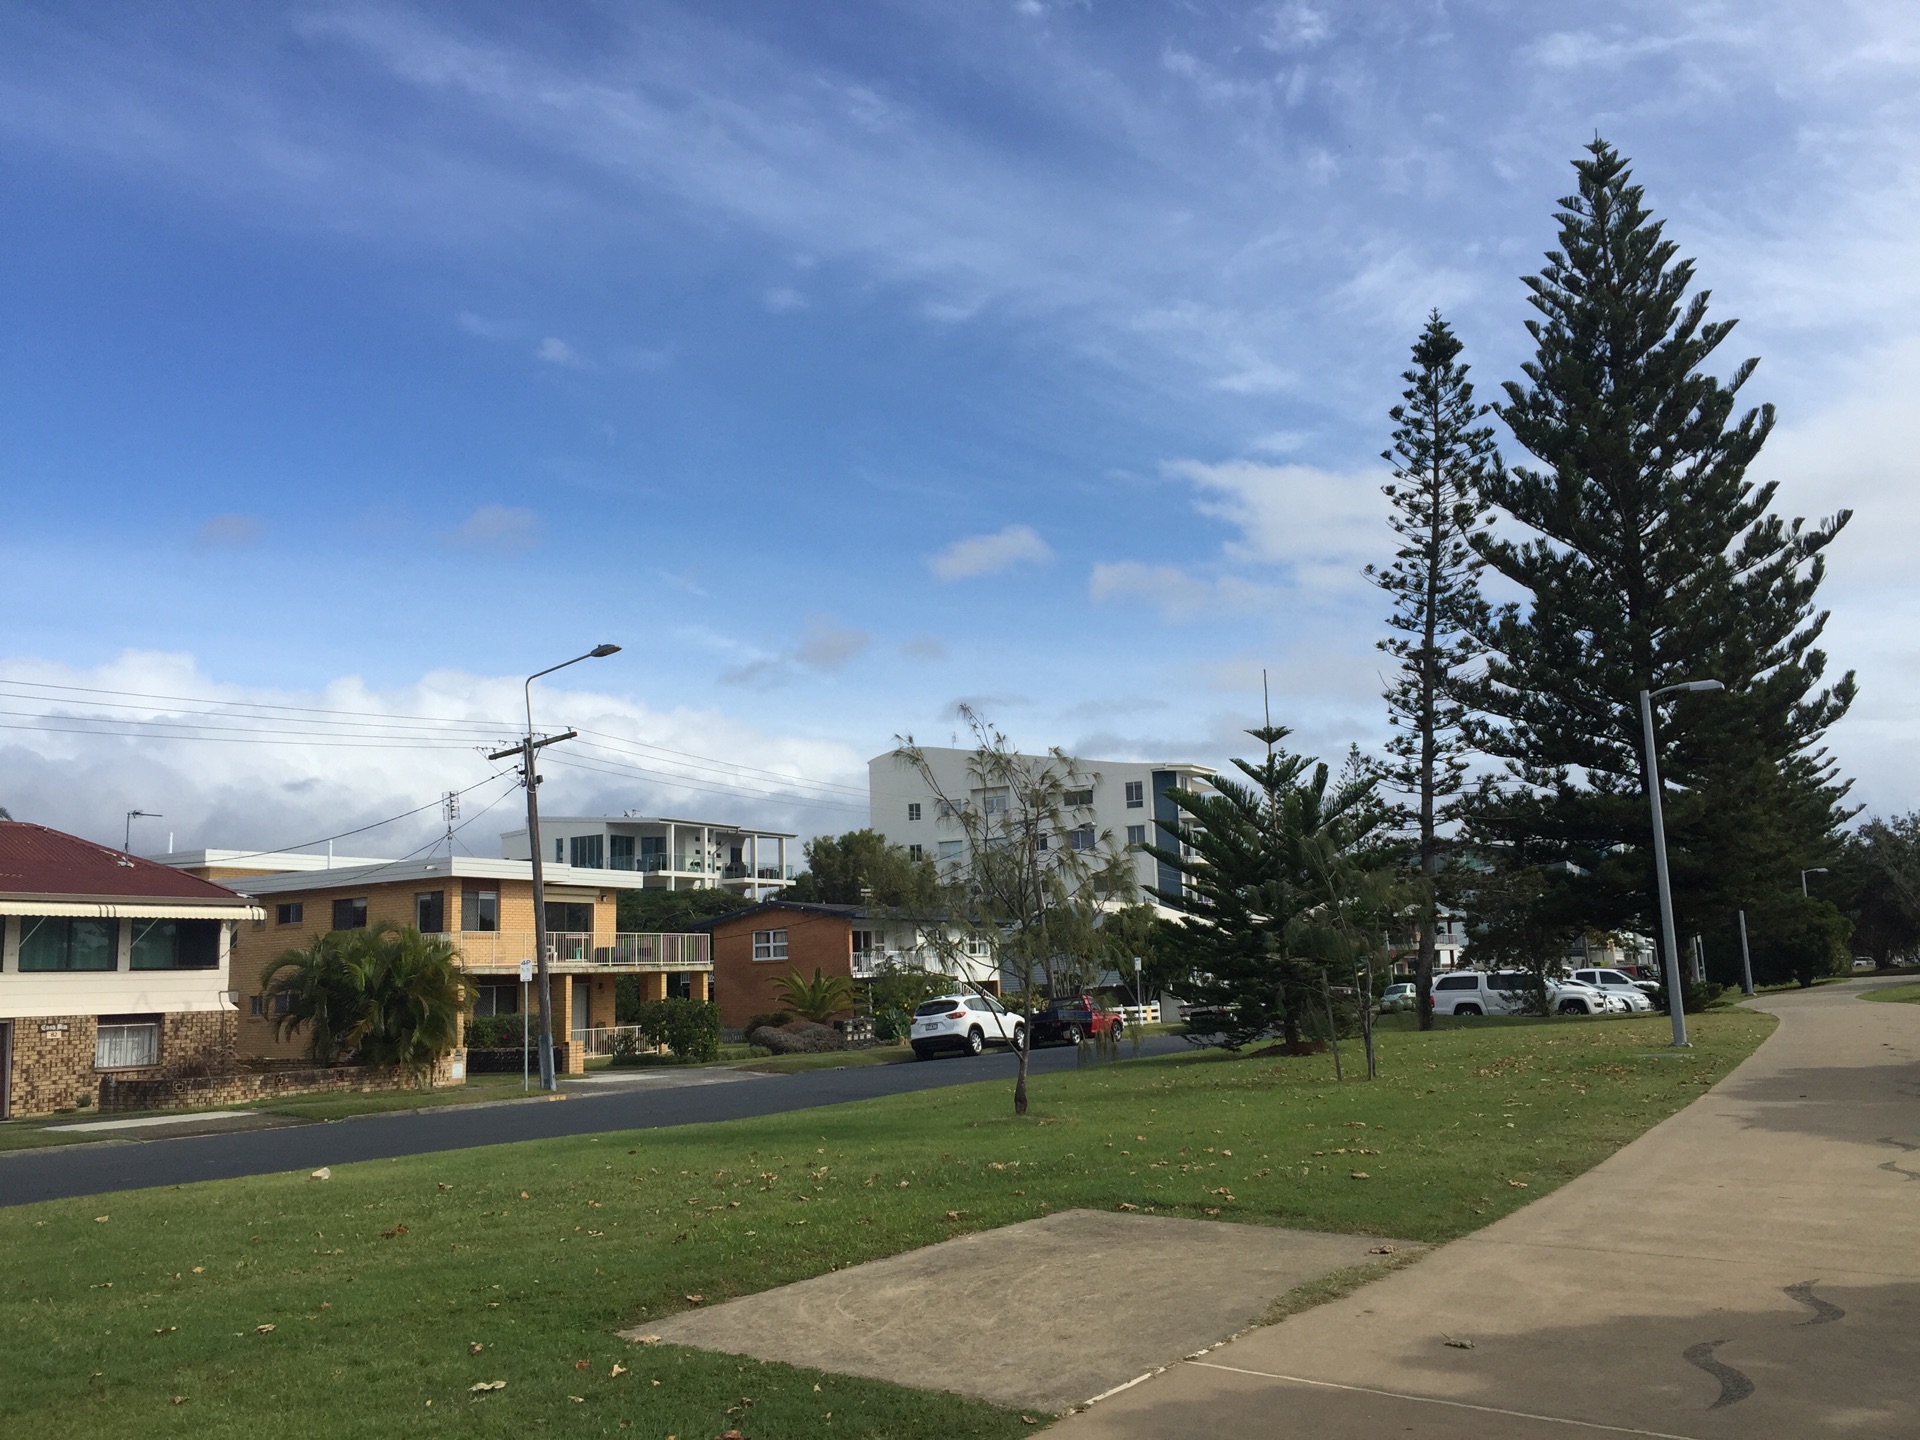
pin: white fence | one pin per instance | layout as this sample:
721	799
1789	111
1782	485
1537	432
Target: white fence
1148	1014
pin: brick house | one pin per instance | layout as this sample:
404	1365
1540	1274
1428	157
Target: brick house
754	948
110	965
483	907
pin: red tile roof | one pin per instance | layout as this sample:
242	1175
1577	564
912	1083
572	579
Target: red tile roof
36	861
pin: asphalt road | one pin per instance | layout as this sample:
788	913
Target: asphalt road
97	1167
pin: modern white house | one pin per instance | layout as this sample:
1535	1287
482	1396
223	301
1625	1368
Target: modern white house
1126	800
667	853
110	966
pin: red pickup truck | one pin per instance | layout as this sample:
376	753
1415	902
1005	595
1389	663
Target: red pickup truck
1073	1018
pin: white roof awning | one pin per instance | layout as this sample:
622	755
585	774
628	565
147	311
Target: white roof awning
130	910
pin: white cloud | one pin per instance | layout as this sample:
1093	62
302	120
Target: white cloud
924	647
556	351
1320	524
830	645
285	776
499	527
782	299
990	554
1180	594
825	648
229	532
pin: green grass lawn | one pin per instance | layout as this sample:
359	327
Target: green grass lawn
1897	994
378	1283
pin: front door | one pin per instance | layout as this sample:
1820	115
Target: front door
582	1002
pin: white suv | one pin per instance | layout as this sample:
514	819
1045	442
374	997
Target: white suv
1618	984
968	1023
1510	992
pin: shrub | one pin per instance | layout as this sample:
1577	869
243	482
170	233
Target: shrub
774	1018
689	1028
818	999
798	1037
494	1032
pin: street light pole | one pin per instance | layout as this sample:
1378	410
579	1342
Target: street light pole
1670	945
528	750
1816	870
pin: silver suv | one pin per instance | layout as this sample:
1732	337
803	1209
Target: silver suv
1620	985
1510	992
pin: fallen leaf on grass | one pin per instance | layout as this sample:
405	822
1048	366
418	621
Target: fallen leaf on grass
1518	1184
395	1233
323	1173
443	1185
578	1399
695	1299
647	1340
618	1369
1361	1175
1212	1209
199	1269
263	1329
101	1219
525	1196
1381	1250
1456	1344
485	1385
1123	1205
581	1364
179	1399
166	1329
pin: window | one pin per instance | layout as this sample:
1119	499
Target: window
430	912
1136	794
1136	835
978	946
913	810
949	849
52	943
570	917
559	851
587	851
620	852
1041	842
293	912
479	909
1081	838
993	802
1075	799
126	1042
176	945
769	944
865	942
496	999
1457	982
916	852
350	914
254	1007
1509	980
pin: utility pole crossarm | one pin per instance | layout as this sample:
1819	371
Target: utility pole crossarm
521	748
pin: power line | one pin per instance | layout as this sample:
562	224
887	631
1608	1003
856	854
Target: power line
391	819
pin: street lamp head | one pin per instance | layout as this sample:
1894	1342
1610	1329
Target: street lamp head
1816	870
600	652
1701	685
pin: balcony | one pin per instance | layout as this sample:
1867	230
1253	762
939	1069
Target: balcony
572	950
750	872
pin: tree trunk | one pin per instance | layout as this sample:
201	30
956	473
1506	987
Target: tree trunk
1020	1050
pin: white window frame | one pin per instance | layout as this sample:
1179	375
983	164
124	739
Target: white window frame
1136	835
913	810
1136	794
769	944
127	1047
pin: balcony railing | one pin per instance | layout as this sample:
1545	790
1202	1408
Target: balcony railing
505	949
750	872
868	963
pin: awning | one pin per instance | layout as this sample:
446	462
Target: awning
130	910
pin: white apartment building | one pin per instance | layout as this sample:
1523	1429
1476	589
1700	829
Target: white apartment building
1125	799
666	853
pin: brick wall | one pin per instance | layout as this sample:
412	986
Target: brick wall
123	1092
53	1057
745	986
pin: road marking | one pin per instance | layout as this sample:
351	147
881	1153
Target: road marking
1434	1400
191	1119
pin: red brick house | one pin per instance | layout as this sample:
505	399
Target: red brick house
110	965
754	948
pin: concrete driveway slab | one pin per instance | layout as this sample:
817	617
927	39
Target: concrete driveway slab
1748	1268
1047	1313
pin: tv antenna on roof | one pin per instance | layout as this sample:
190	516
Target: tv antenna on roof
450	808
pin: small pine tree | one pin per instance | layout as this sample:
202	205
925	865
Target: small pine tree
1442	459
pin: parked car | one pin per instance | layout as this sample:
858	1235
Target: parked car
1400	996
966	1023
1510	992
1073	1018
1861	962
1618	984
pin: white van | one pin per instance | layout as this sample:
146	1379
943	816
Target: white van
1509	992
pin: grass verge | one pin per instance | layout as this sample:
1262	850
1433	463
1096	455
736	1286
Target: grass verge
1896	994
354	1306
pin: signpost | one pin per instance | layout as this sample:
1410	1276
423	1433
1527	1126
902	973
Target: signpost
526	1067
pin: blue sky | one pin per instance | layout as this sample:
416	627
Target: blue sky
840	362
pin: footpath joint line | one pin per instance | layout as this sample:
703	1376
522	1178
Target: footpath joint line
1435	1400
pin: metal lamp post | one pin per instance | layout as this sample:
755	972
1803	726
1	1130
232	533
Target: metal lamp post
1670	945
528	750
1814	870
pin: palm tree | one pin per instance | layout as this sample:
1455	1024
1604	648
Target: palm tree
818	999
385	996
321	988
414	1000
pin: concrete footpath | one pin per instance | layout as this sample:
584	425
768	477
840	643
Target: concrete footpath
1750	1267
